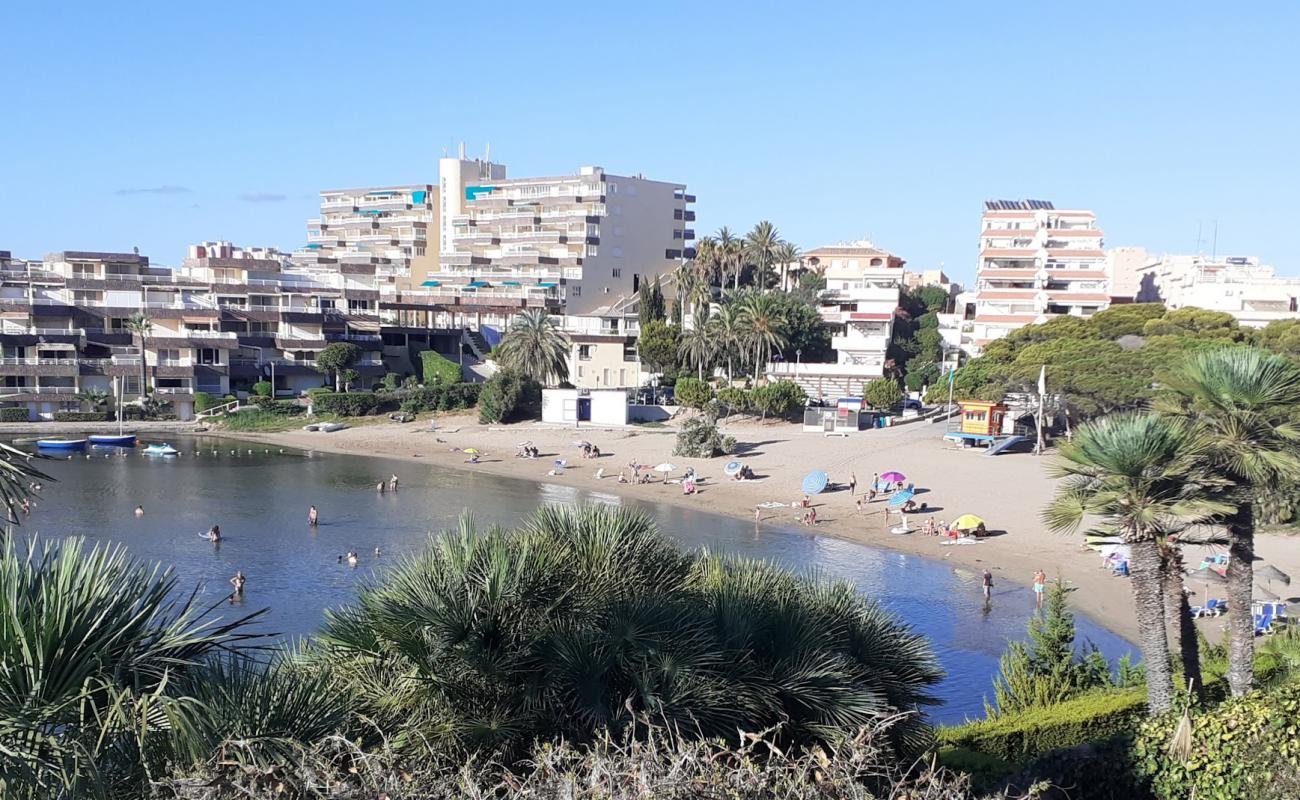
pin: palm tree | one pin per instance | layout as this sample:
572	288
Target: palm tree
699	348
763	325
94	397
761	245
730	253
1142	475
728	329
535	346
585	621
1241	400
141	325
787	253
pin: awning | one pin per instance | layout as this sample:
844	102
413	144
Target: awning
548	285
479	284
509	283
432	283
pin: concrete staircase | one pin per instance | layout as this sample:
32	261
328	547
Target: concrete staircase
828	387
474	370
477	344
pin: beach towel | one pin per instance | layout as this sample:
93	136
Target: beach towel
773	504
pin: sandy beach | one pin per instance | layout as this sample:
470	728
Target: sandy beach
1008	491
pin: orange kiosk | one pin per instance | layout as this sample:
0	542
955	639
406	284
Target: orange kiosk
980	418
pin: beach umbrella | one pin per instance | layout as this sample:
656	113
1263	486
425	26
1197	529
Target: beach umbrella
1207	577
665	467
583	443
471	450
732	468
524	444
1265	594
893	477
967	522
815	482
900	498
1269	573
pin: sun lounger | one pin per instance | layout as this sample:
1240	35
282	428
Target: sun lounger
1212	608
1264	622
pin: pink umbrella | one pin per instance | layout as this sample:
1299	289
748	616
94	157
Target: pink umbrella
893	477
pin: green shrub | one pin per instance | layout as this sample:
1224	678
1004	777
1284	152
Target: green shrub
1245	747
203	401
882	394
448	397
693	393
507	395
283	408
734	399
1020	738
15	415
262	388
699	438
345	404
80	416
436	369
392	380
777	399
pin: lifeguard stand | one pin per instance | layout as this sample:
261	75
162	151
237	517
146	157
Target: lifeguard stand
981	418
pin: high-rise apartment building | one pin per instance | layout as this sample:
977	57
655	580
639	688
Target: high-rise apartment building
393	229
1238	285
1035	262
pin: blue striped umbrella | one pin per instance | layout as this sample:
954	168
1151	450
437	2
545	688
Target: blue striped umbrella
901	498
815	482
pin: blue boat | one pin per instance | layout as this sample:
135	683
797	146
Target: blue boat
125	440
61	444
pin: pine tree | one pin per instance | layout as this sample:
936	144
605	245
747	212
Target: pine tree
1045	670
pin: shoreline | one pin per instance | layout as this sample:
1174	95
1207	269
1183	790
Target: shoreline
1010	561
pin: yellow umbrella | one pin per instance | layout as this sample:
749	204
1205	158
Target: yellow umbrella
470	450
966	522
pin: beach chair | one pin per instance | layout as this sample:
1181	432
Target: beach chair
1212	608
1264	622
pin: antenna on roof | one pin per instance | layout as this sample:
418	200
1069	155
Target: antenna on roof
487	152
462	151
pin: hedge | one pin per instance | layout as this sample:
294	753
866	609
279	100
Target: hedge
345	404
262	388
437	369
692	393
15	415
203	401
1245	747
80	416
1019	738
283	408
449	397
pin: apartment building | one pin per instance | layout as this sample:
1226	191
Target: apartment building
1035	262
226	319
392	229
858	305
585	240
1239	285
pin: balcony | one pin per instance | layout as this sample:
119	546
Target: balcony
60	390
850	343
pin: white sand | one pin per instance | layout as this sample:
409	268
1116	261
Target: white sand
1007	491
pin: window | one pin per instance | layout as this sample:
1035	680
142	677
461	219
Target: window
579	370
169	357
575	291
605	375
208	355
616	272
584	352
592	250
622	377
678	235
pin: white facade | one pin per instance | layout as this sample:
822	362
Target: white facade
858	305
592	236
1035	262
1241	286
393	228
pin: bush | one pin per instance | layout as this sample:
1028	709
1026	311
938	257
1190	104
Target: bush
436	369
693	393
1245	747
734	399
448	397
1020	738
392	380
262	388
319	390
699	438
203	401
79	416
283	408
777	399
15	415
506	395
345	404
882	394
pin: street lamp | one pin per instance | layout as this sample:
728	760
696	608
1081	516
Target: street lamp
798	357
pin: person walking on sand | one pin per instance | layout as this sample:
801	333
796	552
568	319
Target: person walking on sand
987	582
1040	585
853	483
313	516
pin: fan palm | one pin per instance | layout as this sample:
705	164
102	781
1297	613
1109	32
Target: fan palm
91	646
141	326
587	620
763	325
16	474
1241	402
95	398
699	348
761	245
1142	475
535	346
787	254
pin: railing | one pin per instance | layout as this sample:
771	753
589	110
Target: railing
214	411
16	330
57	362
70	390
174	390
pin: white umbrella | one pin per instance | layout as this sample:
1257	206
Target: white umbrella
665	467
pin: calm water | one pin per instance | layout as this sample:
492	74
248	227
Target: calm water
260	500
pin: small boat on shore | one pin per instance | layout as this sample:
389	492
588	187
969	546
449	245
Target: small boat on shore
330	427
114	440
61	444
161	450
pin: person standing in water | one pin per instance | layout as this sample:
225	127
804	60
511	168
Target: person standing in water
987	582
392	483
313	517
238	582
1040	585
139	511
214	533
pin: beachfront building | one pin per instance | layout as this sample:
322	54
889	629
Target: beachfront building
389	231
1035	262
858	305
1238	285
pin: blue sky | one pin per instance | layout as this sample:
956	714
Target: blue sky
171	123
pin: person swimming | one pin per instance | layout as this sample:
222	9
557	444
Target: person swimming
213	534
352	559
139	511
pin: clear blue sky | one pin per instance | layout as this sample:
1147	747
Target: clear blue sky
160	125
